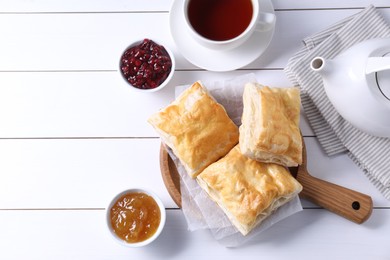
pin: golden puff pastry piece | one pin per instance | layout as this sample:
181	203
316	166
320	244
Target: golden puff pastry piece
196	128
248	191
270	125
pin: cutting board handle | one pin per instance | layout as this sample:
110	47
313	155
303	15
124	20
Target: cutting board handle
347	203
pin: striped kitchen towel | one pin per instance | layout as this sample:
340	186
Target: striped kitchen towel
335	134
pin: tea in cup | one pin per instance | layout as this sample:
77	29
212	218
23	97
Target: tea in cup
225	24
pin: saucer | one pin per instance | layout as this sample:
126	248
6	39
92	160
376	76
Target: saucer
215	60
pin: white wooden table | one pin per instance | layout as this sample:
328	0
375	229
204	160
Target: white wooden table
72	135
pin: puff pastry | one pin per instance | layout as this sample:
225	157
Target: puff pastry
247	190
196	128
270	125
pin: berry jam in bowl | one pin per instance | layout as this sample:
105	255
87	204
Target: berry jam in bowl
147	66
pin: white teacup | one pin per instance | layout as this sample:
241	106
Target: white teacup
259	21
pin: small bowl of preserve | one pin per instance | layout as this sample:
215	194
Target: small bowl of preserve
147	65
135	217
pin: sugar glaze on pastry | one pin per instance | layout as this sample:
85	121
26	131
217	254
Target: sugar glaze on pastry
270	124
247	191
196	128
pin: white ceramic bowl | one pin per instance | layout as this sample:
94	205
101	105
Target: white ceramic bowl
150	239
164	83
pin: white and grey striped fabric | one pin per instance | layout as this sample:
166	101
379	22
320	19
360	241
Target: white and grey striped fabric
336	135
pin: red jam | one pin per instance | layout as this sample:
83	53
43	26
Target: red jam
135	217
146	65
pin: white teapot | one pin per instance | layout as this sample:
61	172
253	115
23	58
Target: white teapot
357	83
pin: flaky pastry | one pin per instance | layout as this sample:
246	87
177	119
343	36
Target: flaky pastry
270	125
248	191
196	128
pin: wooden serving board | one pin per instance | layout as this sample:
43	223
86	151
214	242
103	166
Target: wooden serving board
347	203
170	175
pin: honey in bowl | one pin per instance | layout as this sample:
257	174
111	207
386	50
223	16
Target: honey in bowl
135	217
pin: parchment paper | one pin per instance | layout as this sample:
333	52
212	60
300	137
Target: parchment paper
199	210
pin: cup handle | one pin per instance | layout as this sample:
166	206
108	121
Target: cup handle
265	22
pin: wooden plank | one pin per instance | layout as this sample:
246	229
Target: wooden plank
313	233
94	104
331	4
78	173
294	26
87	173
75	41
52	6
94	41
160	5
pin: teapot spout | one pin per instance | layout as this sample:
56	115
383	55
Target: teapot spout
320	65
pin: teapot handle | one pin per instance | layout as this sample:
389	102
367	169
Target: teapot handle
375	64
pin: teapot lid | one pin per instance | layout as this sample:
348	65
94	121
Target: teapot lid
383	81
